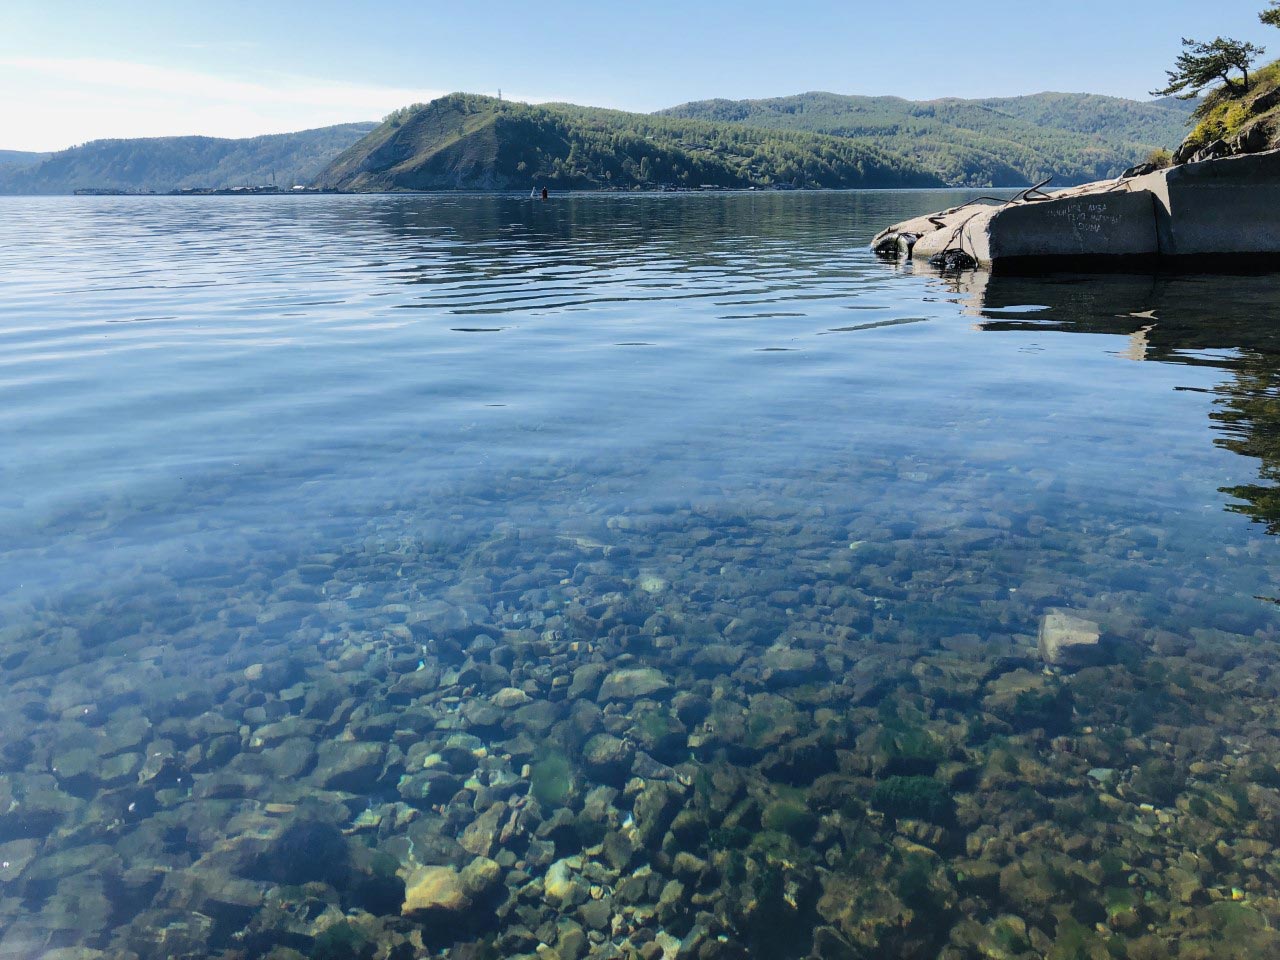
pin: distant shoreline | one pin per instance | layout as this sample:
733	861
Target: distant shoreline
513	194
811	141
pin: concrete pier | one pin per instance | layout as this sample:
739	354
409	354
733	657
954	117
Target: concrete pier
1216	209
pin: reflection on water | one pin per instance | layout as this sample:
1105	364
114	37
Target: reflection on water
624	577
1223	322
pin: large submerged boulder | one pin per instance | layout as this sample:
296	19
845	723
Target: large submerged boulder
1222	208
1067	640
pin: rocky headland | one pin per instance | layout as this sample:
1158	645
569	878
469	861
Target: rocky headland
1219	211
1214	202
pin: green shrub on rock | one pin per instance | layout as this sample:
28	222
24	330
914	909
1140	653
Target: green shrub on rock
908	751
922	798
791	818
915	887
551	780
1048	709
1160	780
341	942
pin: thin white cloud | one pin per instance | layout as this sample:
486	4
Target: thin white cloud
145	78
55	103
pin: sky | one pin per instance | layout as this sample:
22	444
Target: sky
73	71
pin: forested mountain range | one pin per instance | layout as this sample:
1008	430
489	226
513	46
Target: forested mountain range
471	142
1001	141
162	164
465	141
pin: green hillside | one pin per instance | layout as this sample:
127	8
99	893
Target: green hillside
810	140
997	142
161	164
466	142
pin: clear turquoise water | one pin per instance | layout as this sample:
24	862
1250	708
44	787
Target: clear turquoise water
353	464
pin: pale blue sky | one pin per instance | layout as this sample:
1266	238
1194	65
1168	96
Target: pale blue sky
73	71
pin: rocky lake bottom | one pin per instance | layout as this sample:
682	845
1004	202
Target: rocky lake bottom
657	577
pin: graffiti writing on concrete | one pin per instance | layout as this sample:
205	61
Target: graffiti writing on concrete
1086	217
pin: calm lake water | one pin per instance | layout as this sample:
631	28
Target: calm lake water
625	576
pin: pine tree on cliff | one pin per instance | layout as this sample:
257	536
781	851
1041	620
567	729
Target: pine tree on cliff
1203	64
1271	15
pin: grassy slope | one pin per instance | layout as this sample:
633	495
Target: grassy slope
436	146
1222	118
470	142
999	141
167	163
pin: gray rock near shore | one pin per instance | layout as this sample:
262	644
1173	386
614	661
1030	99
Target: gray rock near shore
1225	206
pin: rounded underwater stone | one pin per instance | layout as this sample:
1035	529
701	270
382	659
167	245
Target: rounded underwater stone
714	659
608	758
586	680
480	877
655	808
120	769
784	666
348	765
572	943
632	683
652	583
435	889
480	714
560	885
509	697
481	836
75	768
596	914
